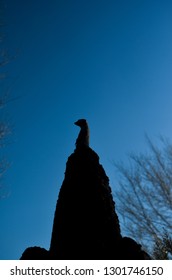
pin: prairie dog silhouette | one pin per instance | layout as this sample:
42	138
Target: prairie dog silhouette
83	137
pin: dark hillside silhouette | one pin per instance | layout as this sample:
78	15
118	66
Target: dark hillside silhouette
86	225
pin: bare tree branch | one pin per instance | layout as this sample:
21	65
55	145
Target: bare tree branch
144	193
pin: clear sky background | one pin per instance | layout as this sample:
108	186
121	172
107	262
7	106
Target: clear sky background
107	61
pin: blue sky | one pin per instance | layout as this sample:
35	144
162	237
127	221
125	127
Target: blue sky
107	61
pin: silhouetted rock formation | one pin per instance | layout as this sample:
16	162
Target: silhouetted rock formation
86	225
131	250
35	253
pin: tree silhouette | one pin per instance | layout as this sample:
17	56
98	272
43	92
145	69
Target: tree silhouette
5	127
145	194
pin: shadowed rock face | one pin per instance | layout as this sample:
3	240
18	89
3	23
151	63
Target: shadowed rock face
35	253
85	224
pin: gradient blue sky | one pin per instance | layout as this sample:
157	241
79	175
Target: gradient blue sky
108	61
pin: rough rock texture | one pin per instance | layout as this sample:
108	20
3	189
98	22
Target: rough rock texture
86	225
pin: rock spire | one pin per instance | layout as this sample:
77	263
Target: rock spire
85	224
